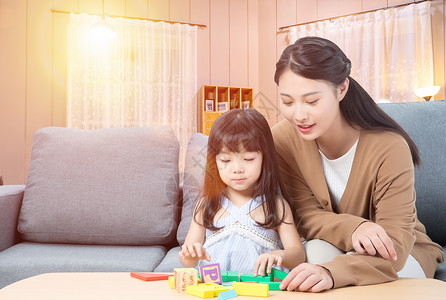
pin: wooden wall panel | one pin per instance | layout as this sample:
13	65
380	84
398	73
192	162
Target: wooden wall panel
12	90
179	10
200	15
219	42
90	6
253	45
238	43
373	4
136	8
39	65
266	100
307	11
159	9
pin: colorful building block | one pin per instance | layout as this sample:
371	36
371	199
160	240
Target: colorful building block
227	295
229	283
227	276
171	281
274	286
150	276
210	273
251	289
206	290
252	278
185	277
278	274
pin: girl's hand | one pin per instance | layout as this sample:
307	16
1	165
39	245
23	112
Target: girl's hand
370	238
308	278
267	260
195	251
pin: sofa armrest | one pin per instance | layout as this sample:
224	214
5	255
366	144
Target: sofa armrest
11	197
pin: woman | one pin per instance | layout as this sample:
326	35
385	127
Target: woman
348	168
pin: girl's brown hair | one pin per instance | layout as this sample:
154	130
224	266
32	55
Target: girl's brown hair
236	130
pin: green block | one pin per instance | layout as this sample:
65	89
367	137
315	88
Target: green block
278	274
274	286
227	276
258	278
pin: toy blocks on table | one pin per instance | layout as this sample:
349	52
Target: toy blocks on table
171	281
184	277
210	273
206	290
274	286
251	289
278	274
227	276
258	278
150	276
227	295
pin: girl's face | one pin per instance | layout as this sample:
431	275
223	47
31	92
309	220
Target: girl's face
310	105
239	171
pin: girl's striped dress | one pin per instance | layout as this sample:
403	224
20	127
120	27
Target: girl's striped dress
239	242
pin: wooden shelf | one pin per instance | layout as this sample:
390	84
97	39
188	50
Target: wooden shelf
216	99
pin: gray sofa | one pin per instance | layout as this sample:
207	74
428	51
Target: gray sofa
110	199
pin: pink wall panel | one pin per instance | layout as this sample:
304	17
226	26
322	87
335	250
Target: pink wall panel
238	43
219	42
39	69
179	10
266	100
90	6
200	15
253	45
12	90
307	11
373	4
136	8
159	9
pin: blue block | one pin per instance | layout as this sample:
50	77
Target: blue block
230	283
227	295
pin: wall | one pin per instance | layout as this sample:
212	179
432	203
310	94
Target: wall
33	59
277	13
239	47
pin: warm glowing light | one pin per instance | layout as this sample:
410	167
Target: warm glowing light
102	31
427	92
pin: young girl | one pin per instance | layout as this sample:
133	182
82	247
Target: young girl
349	170
244	216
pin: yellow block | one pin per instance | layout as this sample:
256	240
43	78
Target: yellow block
251	289
171	280
206	290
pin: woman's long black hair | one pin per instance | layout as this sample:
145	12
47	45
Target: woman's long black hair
236	130
320	59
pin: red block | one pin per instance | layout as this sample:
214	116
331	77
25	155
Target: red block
150	276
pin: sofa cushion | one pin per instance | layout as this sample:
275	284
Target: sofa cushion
28	259
425	122
104	186
194	169
170	261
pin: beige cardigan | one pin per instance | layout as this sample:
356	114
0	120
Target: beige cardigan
380	188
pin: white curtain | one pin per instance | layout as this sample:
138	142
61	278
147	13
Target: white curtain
146	76
391	50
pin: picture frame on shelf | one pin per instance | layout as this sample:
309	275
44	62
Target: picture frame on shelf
209	105
223	106
246	104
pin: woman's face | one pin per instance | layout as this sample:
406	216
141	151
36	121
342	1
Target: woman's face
310	105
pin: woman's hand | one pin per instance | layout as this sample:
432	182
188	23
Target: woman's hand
267	260
308	278
371	238
194	251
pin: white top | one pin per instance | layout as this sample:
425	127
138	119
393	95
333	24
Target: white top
337	171
240	241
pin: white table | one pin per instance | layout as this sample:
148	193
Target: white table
110	286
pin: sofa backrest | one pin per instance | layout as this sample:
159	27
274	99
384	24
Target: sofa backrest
104	186
425	122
